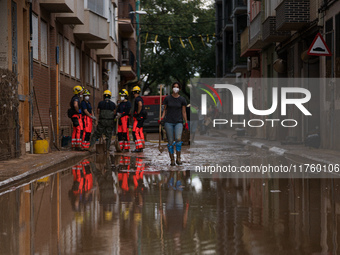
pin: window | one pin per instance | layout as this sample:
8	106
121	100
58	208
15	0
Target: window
96	6
77	63
44	36
61	52
87	80
112	16
35	25
97	78
91	71
66	56
95	75
73	61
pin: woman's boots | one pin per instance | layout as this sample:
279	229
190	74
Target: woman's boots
178	153
172	159
178	158
171	154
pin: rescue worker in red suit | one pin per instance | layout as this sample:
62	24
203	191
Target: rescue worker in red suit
123	113
76	117
138	120
88	118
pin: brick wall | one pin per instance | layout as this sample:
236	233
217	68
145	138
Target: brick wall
269	32
292	14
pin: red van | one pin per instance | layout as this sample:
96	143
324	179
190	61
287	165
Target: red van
151	104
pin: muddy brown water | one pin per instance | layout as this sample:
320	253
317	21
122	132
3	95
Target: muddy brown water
122	205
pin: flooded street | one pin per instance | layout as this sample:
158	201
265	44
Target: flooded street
129	204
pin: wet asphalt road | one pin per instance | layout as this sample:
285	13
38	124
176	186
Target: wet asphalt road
138	204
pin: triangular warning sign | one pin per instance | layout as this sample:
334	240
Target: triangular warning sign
319	47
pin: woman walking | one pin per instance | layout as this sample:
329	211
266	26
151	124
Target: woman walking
174	113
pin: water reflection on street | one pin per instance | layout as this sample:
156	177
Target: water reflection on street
118	205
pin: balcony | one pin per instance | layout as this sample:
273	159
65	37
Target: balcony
245	51
125	27
239	63
127	64
57	6
269	32
228	26
292	15
95	28
97	44
77	15
110	52
240	6
255	33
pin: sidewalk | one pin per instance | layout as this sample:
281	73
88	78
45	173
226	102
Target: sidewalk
299	153
29	166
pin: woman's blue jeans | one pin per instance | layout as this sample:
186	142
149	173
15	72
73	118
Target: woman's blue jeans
174	135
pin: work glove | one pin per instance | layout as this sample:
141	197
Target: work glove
93	117
186	126
161	122
119	115
79	111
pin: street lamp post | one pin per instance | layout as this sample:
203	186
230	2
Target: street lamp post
138	12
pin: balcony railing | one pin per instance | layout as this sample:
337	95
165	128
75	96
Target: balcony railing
270	33
292	15
128	58
255	34
77	15
127	64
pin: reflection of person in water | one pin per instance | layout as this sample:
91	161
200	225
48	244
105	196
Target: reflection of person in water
107	182
81	191
176	214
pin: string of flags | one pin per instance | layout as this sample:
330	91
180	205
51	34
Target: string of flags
207	37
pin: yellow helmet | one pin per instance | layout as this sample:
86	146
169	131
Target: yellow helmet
77	89
136	89
107	92
124	92
87	92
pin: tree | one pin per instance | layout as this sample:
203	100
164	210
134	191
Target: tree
188	23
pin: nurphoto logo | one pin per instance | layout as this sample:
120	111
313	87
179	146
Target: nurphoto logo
238	100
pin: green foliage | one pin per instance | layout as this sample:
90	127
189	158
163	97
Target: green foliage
176	18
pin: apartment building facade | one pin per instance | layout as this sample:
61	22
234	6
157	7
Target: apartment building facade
276	41
50	47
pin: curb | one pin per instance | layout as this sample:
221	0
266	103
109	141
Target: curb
283	152
57	162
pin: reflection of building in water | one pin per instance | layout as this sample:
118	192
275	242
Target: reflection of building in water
264	214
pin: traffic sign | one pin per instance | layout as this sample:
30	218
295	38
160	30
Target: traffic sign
319	47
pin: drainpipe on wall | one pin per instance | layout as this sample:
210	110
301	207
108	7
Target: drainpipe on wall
30	52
